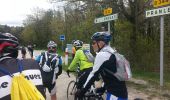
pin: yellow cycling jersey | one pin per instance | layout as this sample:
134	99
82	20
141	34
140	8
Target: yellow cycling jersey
80	59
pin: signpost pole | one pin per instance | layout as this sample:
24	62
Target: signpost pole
62	46
161	49
160	12
109	27
62	38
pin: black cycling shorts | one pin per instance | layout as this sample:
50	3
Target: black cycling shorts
49	86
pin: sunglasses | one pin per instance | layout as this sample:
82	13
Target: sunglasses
52	47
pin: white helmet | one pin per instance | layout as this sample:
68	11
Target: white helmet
51	44
77	43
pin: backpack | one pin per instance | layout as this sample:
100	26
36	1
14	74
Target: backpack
123	68
88	55
48	62
21	87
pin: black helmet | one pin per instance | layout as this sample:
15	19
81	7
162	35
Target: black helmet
101	36
78	43
8	45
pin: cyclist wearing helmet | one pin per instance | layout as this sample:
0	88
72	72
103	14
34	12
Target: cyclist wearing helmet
30	49
81	61
51	67
116	90
73	49
9	62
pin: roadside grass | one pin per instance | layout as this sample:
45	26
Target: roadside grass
152	78
152	86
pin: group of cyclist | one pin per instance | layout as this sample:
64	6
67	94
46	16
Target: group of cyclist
115	89
50	67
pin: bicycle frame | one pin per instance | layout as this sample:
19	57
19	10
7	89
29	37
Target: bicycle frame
90	94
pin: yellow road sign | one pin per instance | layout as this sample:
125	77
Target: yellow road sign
158	3
108	11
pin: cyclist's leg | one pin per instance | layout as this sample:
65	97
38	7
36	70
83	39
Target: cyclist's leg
83	76
82	79
52	90
31	53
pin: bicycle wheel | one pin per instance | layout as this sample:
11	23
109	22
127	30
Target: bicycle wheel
71	90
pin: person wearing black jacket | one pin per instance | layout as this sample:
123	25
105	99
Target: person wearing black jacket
30	49
51	67
9	62
105	59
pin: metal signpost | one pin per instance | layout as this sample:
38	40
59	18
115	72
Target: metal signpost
106	19
62	38
107	11
160	12
158	3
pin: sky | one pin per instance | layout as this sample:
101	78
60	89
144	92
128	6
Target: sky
13	12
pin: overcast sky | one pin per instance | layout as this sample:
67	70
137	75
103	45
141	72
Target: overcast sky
13	12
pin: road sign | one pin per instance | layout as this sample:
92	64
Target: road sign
107	11
86	46
106	18
158	3
62	37
158	12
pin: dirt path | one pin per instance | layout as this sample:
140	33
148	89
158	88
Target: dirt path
63	81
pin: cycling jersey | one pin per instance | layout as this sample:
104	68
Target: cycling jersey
51	68
30	70
80	59
106	60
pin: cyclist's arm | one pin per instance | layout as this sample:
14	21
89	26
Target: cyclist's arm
59	66
37	59
74	62
100	59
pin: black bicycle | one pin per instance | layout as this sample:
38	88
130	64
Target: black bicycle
72	88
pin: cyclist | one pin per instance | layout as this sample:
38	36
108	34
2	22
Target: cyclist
80	60
116	90
30	49
51	67
23	52
73	50
8	61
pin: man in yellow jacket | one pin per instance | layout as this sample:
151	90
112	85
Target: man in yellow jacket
80	60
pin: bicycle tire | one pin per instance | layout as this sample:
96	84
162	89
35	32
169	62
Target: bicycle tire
71	89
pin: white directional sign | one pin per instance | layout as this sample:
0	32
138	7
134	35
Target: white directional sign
106	18
158	12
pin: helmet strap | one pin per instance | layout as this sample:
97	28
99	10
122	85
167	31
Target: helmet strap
99	47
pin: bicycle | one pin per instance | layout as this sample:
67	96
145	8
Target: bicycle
72	88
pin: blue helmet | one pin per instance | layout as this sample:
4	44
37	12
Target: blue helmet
101	36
